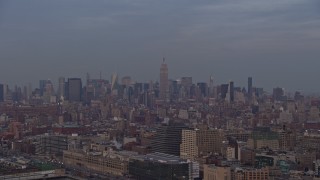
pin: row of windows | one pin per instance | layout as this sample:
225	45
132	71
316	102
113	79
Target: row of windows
112	163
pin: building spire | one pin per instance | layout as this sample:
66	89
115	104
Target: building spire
163	59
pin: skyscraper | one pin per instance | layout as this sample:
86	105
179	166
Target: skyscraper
45	87
231	88
224	90
203	87
164	88
42	86
186	84
278	94
114	81
29	90
126	80
74	89
249	87
61	90
1	92
210	93
168	139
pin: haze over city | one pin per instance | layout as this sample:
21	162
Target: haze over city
276	42
160	90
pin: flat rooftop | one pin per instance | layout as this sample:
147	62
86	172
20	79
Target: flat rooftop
161	158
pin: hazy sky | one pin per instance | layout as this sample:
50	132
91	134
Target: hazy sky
275	41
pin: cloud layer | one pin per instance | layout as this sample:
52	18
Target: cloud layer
274	41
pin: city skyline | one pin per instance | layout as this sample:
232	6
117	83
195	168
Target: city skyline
244	82
229	40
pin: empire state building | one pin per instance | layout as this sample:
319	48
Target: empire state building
164	87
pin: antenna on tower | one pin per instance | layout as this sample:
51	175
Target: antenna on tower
163	59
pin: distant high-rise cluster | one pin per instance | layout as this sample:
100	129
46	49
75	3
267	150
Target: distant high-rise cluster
165	129
150	93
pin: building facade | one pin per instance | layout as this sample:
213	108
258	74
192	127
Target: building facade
250	174
100	162
161	166
212	172
168	139
74	89
200	142
51	144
